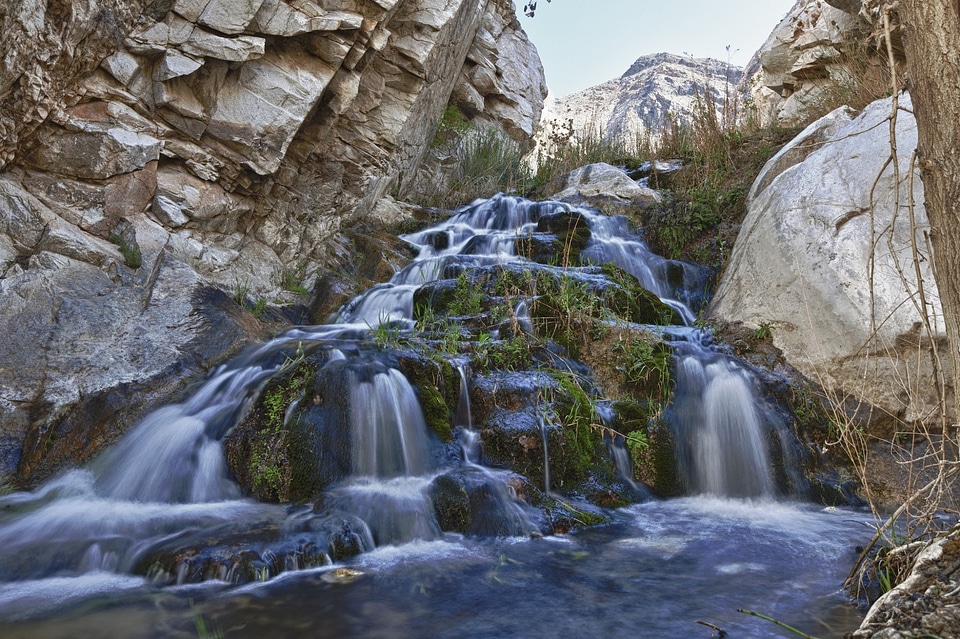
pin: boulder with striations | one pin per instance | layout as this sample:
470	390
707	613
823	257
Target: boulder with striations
828	256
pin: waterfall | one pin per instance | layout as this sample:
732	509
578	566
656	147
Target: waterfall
544	431
721	432
166	480
388	433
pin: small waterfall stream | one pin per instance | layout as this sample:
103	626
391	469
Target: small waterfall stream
166	485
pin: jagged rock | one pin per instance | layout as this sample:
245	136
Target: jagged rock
807	60
236	138
96	151
85	333
926	603
803	259
656	87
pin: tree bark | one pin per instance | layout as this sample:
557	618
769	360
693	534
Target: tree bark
931	38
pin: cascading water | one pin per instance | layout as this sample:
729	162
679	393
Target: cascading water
389	438
165	485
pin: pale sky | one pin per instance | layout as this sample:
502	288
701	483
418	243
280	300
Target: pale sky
586	42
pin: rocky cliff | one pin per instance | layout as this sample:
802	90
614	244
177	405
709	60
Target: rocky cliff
158	153
821	55
640	101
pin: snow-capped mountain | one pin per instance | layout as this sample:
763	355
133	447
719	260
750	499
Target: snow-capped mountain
640	100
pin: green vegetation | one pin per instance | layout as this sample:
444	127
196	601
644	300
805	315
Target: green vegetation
240	292
645	363
764	331
291	278
269	466
467	298
479	161
204	631
567	149
130	251
453	126
259	306
577	413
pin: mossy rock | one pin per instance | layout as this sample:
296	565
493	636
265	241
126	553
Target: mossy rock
451	503
437	296
572	233
567	516
657	465
540	248
257	449
629	300
437	385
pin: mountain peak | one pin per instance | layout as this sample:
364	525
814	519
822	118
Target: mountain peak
655	86
653	60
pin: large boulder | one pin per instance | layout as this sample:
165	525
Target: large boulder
598	184
828	256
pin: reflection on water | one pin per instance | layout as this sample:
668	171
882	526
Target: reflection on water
657	570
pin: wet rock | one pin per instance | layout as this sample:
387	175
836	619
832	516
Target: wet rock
256	553
451	502
656	465
238	137
88	334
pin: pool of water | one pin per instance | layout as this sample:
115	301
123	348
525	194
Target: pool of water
656	571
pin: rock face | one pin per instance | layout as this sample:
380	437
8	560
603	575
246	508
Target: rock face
640	100
218	144
926	603
812	58
824	214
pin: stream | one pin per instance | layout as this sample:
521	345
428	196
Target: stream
154	538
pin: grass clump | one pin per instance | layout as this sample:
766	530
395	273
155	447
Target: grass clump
130	251
645	363
291	278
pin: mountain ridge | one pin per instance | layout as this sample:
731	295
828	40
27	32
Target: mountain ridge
653	89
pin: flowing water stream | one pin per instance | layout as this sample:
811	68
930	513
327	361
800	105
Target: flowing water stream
75	554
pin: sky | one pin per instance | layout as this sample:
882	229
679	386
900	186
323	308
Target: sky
585	42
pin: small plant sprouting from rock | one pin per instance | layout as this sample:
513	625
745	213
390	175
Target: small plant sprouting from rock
645	361
638	442
240	291
764	331
468	299
259	306
291	278
130	251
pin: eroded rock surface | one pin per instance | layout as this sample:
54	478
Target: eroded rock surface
158	154
825	257
818	52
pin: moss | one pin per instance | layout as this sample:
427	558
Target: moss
581	447
435	411
629	300
259	453
451	503
572	234
662	462
304	482
654	464
436	391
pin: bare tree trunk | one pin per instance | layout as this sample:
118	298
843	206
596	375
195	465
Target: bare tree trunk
931	37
